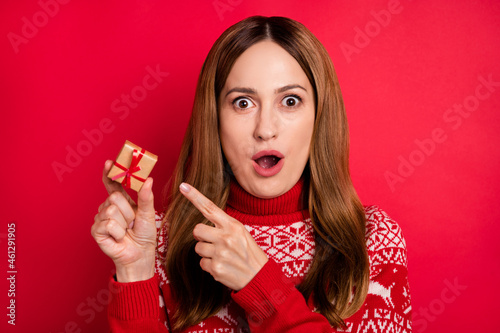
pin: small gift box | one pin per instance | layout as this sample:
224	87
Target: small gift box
132	166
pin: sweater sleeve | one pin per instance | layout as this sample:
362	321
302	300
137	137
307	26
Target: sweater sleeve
137	306
273	304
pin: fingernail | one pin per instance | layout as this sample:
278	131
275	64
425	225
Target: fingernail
184	187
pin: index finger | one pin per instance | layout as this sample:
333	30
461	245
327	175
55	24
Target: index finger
112	186
210	210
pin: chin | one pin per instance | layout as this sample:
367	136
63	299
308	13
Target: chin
266	195
268	188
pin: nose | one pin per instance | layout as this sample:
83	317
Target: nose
267	124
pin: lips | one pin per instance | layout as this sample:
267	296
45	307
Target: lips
267	157
267	153
267	163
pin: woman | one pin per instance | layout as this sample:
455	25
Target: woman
264	231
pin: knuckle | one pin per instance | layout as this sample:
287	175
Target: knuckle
113	197
119	234
210	208
111	210
111	224
229	241
223	253
217	269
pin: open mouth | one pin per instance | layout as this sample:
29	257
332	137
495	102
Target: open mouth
267	161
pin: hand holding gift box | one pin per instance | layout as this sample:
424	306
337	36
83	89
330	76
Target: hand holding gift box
132	166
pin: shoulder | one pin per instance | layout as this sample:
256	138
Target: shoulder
381	230
384	241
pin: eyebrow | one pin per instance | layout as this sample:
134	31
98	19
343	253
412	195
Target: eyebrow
246	90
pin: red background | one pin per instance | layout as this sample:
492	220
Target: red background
398	87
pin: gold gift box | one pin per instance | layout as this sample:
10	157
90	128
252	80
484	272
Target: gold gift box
132	166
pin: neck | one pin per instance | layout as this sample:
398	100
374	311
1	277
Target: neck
290	206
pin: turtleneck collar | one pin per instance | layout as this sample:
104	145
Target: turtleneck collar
288	207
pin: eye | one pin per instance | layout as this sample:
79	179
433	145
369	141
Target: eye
243	103
291	101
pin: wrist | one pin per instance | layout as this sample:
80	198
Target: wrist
134	273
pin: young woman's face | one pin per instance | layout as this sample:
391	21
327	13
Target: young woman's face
266	120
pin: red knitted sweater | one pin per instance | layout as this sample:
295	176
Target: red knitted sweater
270	302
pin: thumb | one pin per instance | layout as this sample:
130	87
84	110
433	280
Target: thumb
145	202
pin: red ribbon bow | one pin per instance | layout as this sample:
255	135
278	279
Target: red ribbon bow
134	167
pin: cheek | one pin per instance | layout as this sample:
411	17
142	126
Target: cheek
233	140
303	135
225	132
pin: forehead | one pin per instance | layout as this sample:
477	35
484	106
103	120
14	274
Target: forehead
266	65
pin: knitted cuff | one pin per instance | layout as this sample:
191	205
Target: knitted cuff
262	296
134	300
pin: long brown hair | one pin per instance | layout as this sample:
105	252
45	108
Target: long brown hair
340	265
